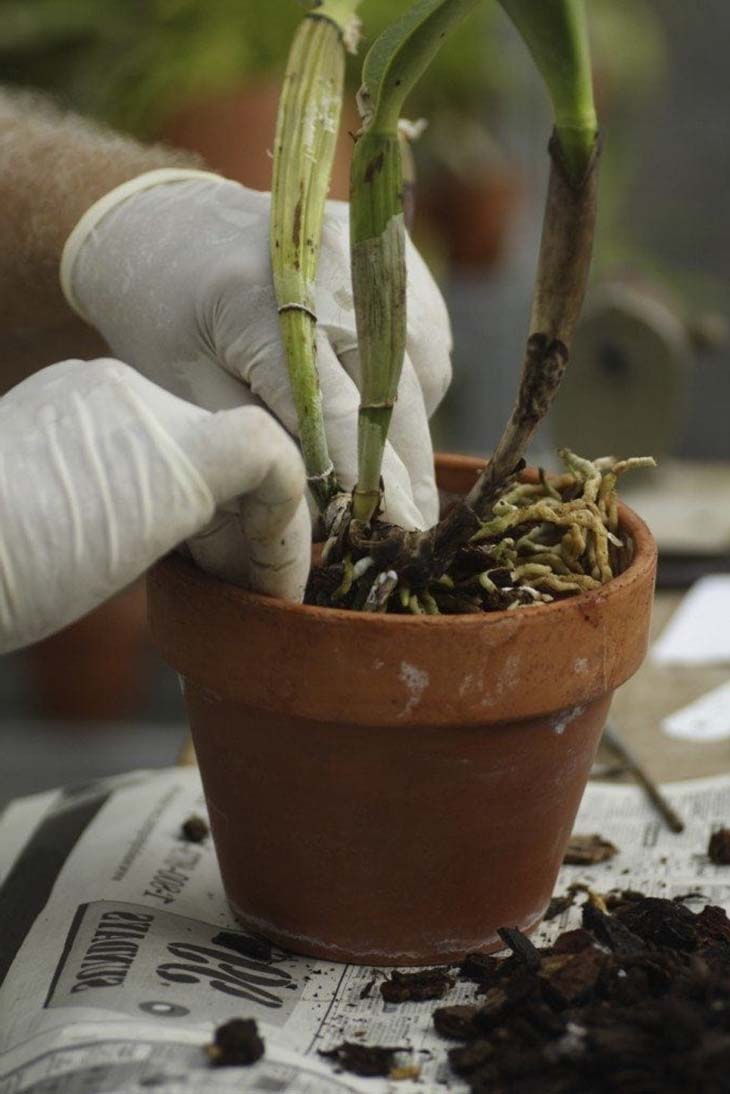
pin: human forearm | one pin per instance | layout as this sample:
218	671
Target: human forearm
54	166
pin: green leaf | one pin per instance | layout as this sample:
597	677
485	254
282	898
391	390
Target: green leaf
401	55
556	34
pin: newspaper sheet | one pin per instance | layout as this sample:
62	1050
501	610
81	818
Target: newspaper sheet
113	973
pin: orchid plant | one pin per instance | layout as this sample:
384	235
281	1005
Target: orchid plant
419	571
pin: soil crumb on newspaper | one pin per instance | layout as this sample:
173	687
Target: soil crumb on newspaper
588	850
719	847
368	1061
236	1044
195	829
557	906
367	990
405	987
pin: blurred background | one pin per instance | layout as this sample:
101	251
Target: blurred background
650	369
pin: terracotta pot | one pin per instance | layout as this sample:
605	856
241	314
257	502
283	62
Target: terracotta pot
472	217
97	669
392	789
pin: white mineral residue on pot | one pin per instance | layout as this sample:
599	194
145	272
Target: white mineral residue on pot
416	681
471	682
580	666
560	721
509	680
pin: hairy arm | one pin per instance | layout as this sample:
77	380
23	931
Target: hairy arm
54	166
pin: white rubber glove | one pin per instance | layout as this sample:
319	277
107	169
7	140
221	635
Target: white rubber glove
173	269
102	473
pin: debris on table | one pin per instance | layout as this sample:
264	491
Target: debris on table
236	1044
479	967
405	987
368	1061
719	847
405	1071
522	948
366	991
195	829
636	999
588	850
558	905
258	949
457	1022
654	793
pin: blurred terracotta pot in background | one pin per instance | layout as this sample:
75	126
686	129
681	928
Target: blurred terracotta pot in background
234	133
96	669
393	789
471	216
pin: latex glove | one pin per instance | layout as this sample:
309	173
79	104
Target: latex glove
102	473
177	278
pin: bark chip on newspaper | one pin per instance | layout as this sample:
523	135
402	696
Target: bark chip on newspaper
719	847
236	1044
405	987
195	829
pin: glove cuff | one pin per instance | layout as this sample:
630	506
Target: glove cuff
96	212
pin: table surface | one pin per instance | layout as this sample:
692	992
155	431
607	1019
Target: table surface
639	706
658	690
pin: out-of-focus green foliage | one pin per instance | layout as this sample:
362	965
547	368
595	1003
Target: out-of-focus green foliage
134	62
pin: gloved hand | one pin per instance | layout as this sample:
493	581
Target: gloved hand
102	472
177	278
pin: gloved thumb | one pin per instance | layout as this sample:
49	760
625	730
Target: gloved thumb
261	534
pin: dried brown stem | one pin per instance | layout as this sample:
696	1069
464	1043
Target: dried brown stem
562	274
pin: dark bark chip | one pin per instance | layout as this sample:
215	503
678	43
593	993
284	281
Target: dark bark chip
367	1061
415	987
719	847
236	1044
195	829
258	949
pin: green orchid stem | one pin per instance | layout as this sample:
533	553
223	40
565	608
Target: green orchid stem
377	241
556	34
306	137
373	425
377	230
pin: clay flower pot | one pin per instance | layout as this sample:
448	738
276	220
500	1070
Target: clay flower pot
392	789
205	124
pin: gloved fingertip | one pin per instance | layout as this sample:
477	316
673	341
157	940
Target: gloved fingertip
280	563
